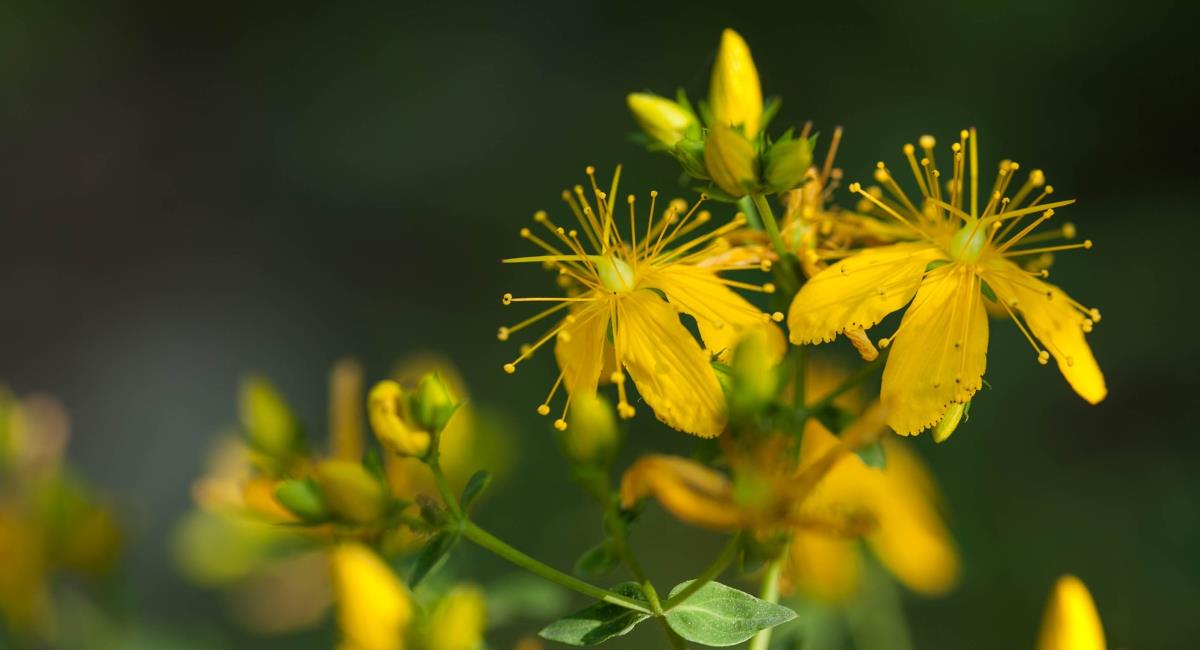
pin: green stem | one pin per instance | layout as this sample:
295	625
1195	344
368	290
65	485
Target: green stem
492	543
709	574
748	209
770	593
850	382
443	486
770	225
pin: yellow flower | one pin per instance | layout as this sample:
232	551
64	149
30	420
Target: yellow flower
734	93
662	119
387	404
1071	621
351	491
458	621
961	255
623	308
374	607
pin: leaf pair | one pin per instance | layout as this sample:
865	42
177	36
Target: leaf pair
715	615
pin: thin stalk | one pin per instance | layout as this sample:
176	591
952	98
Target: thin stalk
770	593
492	543
443	486
785	270
709	574
850	382
747	206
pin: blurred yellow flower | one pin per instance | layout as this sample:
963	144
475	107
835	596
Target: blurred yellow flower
963	254
1071	621
624	303
387	406
374	607
734	94
458	620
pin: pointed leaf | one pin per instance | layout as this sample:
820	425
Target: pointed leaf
718	615
598	623
475	486
598	560
432	555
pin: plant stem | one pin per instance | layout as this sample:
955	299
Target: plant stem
850	382
748	209
770	593
709	574
492	543
785	270
443	486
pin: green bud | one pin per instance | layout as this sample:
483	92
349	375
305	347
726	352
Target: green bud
753	378
665	121
433	403
266	418
730	160
690	154
787	163
950	421
350	491
303	499
591	435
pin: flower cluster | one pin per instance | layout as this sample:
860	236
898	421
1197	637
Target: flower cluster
679	304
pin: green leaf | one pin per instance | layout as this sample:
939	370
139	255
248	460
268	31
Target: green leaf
598	623
598	560
475	486
433	554
873	455
718	615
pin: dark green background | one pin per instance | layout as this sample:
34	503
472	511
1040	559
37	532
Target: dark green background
189	191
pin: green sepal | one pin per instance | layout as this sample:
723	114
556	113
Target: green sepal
598	623
986	290
873	455
302	498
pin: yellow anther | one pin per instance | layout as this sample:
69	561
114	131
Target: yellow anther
510	368
543	409
507	299
768	288
502	334
927	141
777	317
884	342
617	378
1068	230
560	424
525	233
1043	357
1037	178
1087	243
909	149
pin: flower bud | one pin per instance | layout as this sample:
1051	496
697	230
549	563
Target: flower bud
303	499
950	421
266	419
350	491
387	404
665	121
1071	619
734	94
754	379
730	160
591	436
433	403
690	154
787	163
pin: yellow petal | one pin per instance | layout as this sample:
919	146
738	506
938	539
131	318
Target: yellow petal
1055	322
939	353
722	315
858	291
734	93
458	621
670	370
579	349
386	404
374	608
821	566
688	490
1071	621
911	539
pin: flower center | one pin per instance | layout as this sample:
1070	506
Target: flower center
968	243
615	275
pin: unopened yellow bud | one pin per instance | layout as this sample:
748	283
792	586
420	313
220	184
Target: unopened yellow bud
730	160
665	121
787	163
350	491
302	498
591	435
458	621
950	421
1071	621
433	403
266	418
387	405
734	93
374	607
